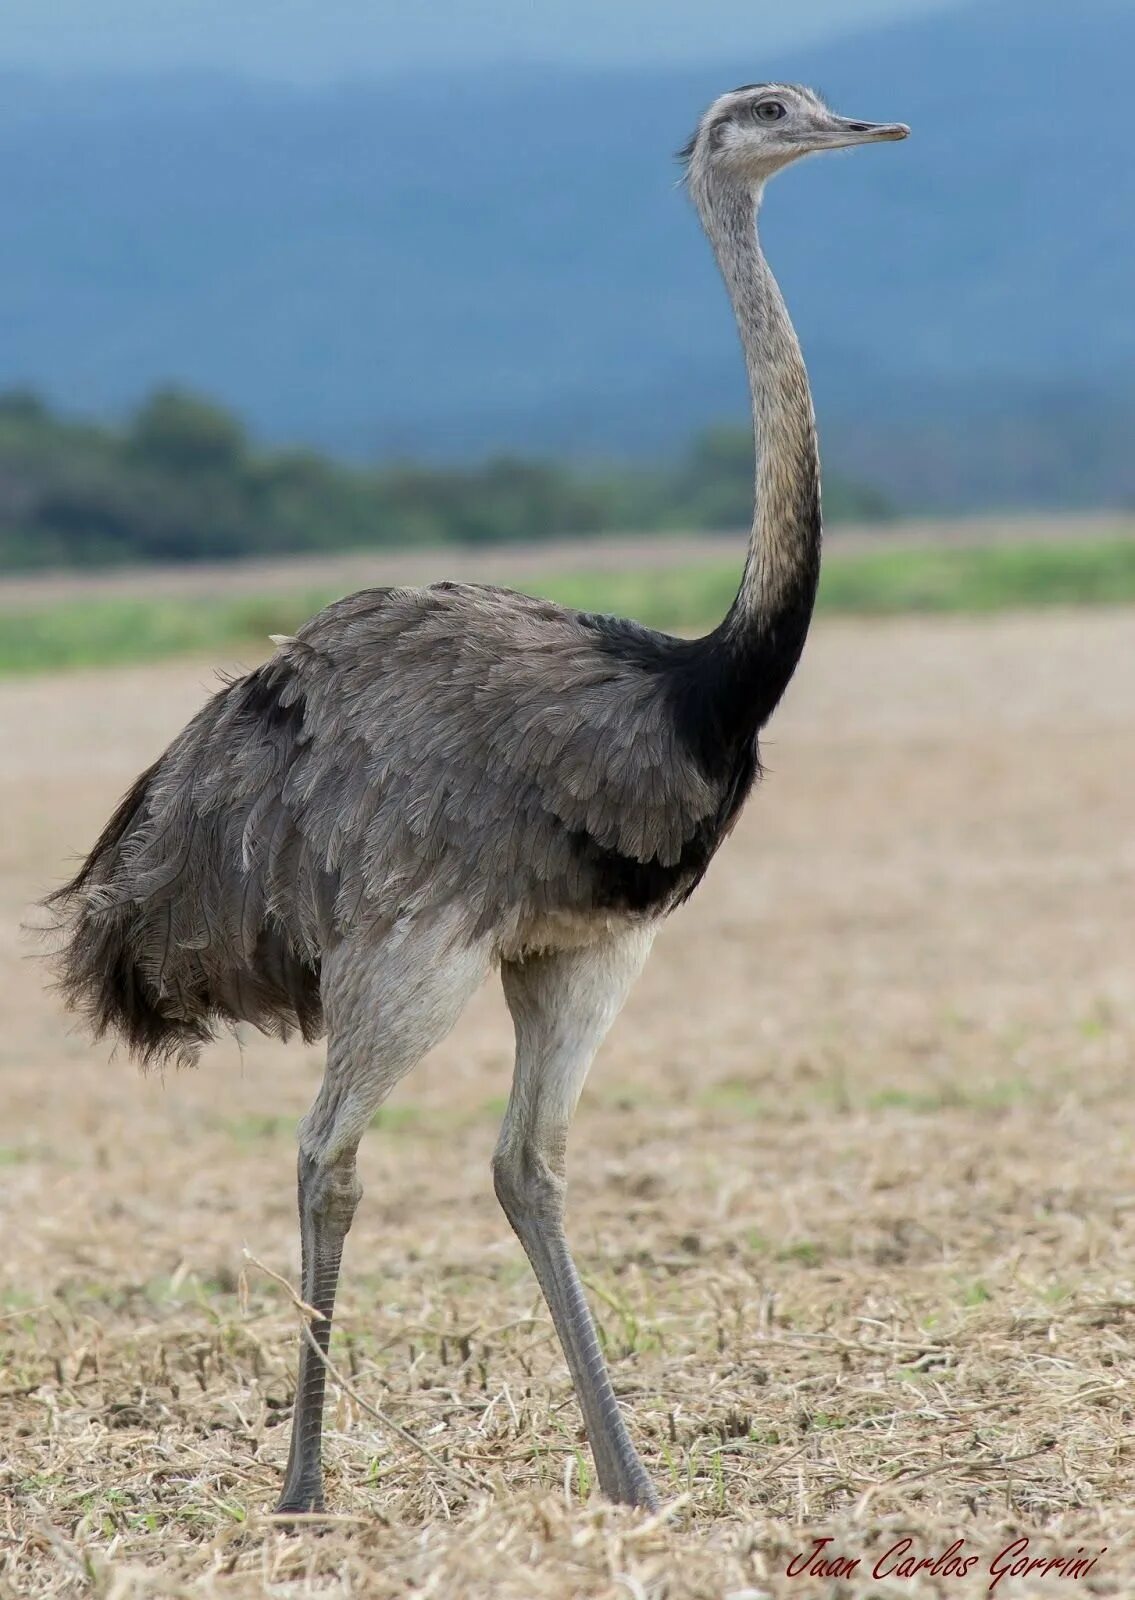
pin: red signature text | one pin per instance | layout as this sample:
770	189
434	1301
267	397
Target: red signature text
903	1560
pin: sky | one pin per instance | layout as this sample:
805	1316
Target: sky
319	41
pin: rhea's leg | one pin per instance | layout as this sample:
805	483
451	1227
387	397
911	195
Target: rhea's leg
385	1006
328	1195
562	1005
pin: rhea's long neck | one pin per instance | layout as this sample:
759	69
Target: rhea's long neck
765	628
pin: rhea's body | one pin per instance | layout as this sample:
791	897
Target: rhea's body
408	756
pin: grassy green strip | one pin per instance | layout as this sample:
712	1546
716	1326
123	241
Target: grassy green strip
932	578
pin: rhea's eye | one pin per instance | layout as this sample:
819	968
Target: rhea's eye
769	111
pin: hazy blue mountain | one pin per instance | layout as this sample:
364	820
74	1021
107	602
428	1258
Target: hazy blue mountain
448	265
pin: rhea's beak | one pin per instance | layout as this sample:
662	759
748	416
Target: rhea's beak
844	131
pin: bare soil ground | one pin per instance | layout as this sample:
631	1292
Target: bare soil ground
852	1186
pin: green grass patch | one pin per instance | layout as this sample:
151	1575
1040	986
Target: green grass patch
930	578
981	578
975	1294
394	1117
732	1095
117	631
1000	1095
806	1253
254	1128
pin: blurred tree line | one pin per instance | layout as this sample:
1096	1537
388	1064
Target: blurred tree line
182	482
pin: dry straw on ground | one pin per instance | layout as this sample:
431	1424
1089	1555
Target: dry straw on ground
852	1186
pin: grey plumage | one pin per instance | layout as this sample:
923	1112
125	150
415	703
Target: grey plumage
409	750
427	783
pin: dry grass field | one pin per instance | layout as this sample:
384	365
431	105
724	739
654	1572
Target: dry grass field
853	1189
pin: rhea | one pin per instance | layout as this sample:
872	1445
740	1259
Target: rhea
425	784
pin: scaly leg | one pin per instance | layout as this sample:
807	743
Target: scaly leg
327	1200
562	1005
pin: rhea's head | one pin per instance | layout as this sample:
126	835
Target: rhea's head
752	132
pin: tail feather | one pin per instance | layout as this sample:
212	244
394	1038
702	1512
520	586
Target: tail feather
98	965
167	931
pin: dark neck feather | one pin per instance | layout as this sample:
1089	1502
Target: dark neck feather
759	642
